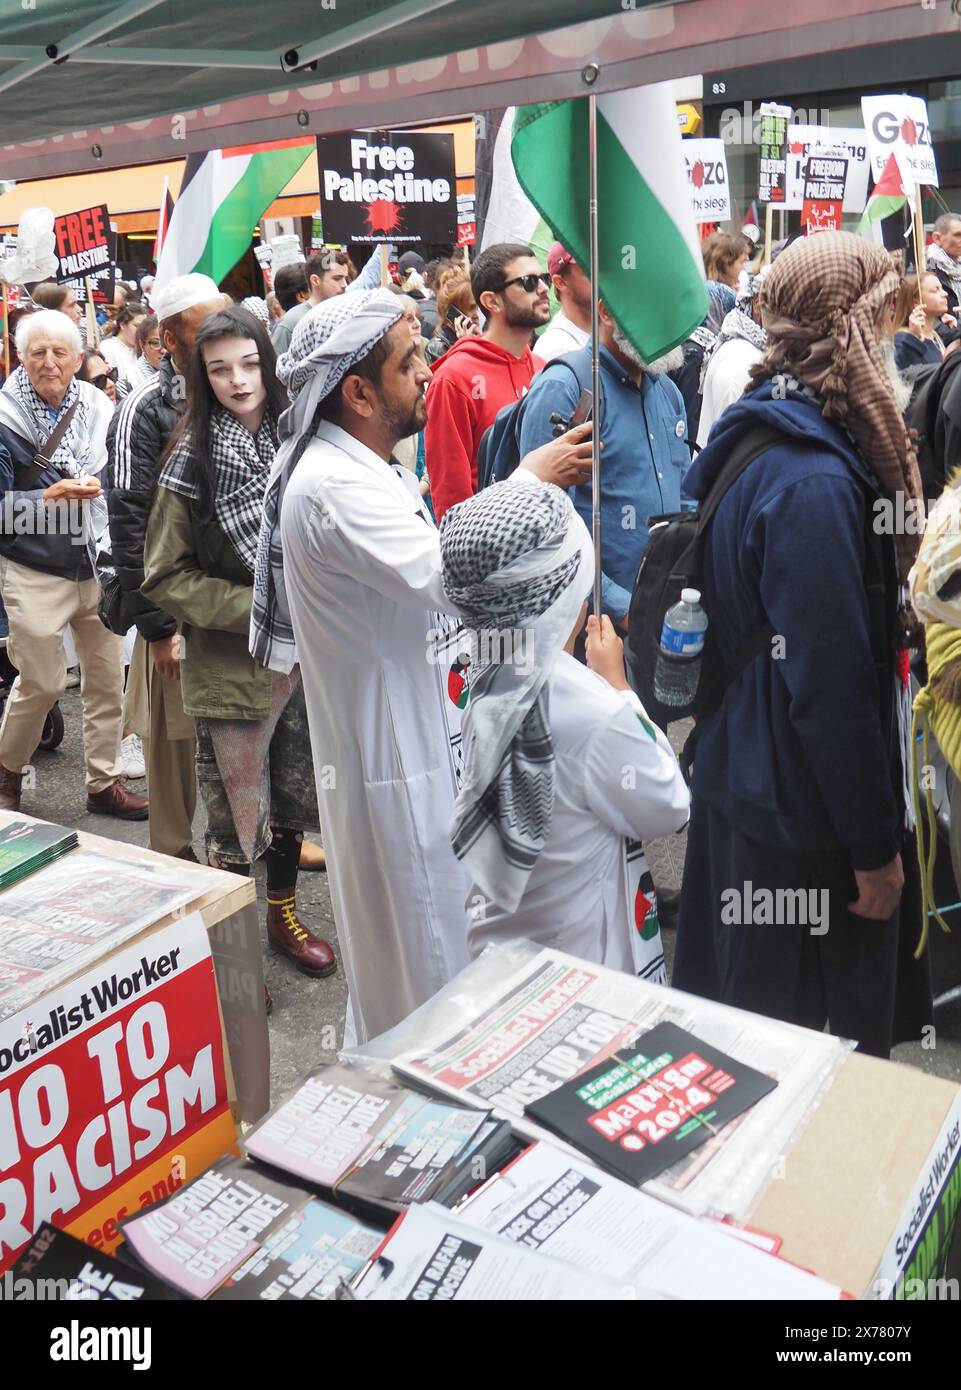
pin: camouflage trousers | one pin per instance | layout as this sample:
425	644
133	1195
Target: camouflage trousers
257	773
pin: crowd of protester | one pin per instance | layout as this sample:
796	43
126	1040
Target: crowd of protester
288	497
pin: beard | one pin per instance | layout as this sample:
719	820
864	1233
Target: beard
405	421
526	318
667	362
900	389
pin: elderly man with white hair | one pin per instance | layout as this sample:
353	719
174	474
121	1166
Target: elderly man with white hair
53	431
349	583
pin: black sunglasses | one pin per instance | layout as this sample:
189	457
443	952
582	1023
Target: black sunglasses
528	283
101	381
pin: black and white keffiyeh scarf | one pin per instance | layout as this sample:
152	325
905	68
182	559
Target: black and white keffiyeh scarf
72	456
518	563
327	342
938	259
736	324
242	463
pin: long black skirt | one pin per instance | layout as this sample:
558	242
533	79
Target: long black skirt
747	936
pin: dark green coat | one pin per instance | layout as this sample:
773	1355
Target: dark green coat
195	574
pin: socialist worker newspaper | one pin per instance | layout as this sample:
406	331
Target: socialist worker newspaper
527	1030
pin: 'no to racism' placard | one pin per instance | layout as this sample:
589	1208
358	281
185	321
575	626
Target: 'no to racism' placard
400	187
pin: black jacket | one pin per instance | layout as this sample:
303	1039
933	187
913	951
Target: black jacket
139	433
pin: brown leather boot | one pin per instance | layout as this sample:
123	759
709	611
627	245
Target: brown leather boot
312	857
10	783
118	800
286	933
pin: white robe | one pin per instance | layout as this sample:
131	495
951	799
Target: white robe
362	570
616	780
724	381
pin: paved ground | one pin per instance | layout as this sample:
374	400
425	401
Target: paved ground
307	1021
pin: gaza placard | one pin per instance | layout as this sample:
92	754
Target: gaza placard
898	125
707	179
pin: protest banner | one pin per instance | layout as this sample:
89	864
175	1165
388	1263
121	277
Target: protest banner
398	187
851	141
706	162
825	177
898	125
772	135
113	1090
466	225
82	242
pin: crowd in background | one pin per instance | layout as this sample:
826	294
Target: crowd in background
168	432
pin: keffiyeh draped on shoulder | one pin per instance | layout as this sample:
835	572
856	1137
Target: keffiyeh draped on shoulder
329	340
518	563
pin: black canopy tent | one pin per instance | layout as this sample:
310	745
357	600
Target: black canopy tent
102	85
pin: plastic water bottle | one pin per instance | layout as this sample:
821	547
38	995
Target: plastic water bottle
678	668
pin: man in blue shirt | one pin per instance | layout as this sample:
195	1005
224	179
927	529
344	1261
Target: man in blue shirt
644	433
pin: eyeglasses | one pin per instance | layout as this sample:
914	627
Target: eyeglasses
101	381
528	283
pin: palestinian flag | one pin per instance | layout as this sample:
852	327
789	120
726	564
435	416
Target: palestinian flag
502	210
163	220
887	196
648	241
222	198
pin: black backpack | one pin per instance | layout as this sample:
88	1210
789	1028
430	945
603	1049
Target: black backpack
931	386
499	450
672	561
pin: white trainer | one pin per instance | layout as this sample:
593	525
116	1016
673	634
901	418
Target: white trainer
131	755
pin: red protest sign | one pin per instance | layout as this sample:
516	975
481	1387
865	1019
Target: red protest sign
82	242
113	1091
821	217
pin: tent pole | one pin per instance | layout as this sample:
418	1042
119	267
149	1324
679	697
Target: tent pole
93	332
595	349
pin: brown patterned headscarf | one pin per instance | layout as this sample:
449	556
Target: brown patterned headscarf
821	305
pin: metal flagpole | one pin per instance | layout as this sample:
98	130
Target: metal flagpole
595	351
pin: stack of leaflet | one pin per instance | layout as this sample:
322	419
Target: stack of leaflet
234	1233
26	846
82	1274
430	1255
652	1104
519	1023
375	1146
565	1208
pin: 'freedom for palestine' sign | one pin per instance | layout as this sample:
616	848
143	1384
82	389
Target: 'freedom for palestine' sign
825	178
400	187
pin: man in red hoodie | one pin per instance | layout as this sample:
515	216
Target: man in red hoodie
480	374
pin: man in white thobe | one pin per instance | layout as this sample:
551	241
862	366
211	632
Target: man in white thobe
349	583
